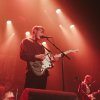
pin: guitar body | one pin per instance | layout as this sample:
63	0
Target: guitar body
39	67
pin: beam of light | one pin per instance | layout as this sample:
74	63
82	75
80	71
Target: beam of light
9	28
75	34
71	35
66	34
86	51
49	8
75	39
10	45
7	43
9	38
62	18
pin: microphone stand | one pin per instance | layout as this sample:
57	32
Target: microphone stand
16	94
62	56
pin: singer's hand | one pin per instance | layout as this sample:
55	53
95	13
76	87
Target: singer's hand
40	56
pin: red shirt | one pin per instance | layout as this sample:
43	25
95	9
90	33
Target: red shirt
29	48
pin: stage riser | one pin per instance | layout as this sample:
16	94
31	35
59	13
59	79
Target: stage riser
37	94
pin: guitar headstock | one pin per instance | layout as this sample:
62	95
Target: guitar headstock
74	50
71	51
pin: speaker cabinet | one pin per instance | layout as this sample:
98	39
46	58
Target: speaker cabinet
39	94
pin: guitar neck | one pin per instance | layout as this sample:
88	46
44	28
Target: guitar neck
60	55
66	52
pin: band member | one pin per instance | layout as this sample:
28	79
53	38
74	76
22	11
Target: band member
33	52
6	92
9	96
84	89
38	59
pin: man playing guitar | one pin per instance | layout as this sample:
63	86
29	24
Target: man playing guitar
33	52
84	89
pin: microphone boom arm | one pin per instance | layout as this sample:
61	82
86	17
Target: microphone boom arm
59	50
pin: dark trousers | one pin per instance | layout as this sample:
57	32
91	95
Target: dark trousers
33	81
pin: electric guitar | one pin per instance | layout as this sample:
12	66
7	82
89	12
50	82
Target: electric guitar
39	67
92	95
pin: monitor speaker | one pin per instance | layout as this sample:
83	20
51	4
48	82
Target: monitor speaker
39	94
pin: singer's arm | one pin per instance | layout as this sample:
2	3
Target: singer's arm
25	53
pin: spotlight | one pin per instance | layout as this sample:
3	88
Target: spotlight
72	26
43	43
27	34
9	21
58	11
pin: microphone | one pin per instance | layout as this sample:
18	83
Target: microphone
43	36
